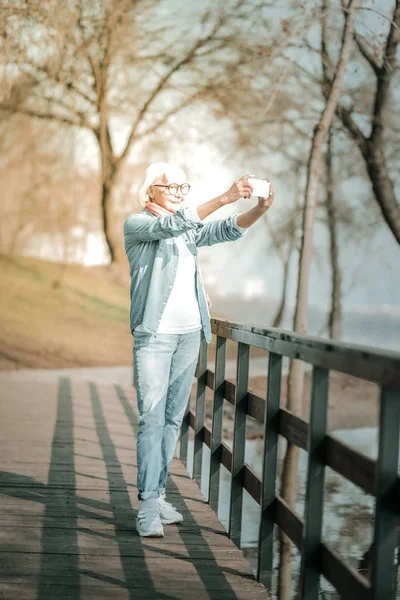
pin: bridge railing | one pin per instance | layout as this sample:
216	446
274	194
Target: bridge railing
378	478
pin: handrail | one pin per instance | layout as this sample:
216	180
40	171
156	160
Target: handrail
371	364
378	478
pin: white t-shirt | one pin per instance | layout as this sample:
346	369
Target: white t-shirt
181	313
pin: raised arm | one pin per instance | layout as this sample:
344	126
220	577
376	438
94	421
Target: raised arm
227	230
241	188
216	232
146	228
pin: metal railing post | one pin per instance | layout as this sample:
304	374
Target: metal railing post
216	433
200	410
269	472
310	572
383	571
239	442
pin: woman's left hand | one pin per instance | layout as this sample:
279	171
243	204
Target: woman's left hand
265	203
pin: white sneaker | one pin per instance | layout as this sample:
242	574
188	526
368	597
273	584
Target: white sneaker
148	519
168	513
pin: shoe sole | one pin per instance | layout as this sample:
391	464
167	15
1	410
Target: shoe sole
155	533
171	521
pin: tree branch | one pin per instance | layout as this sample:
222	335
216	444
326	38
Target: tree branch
45	116
384	75
348	121
343	113
68	85
167	115
162	83
366	54
373	148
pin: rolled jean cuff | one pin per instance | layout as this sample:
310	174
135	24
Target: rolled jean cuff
161	491
147	495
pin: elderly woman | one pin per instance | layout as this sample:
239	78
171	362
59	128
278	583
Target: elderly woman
168	311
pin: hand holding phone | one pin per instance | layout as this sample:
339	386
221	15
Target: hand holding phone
260	187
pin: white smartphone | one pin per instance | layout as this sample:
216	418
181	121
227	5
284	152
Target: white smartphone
260	187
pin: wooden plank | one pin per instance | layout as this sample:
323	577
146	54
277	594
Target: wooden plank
210	376
314	501
293	428
372	364
269	472
230	392
289	522
60	540
200	410
348	582
226	457
348	462
251	482
239	441
216	432
255	404
86	591
383	573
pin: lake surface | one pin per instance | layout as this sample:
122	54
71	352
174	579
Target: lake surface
348	510
376	326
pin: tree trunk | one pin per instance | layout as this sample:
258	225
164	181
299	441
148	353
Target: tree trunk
296	373
106	214
365	562
109	164
109	160
113	238
279	313
335	314
382	185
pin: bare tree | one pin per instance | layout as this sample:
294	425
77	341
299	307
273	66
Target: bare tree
335	311
284	238
46	197
382	61
100	61
296	374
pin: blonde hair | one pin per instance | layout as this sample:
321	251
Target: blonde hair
158	171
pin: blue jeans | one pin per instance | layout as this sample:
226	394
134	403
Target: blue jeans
164	367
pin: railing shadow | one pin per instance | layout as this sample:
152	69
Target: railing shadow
61	567
131	554
206	566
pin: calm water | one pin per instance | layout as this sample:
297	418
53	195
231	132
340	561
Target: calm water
348	510
370	326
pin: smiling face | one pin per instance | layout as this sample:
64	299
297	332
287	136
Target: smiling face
159	193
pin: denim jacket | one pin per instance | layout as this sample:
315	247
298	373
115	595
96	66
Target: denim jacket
153	260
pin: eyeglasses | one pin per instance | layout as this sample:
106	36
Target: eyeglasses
173	188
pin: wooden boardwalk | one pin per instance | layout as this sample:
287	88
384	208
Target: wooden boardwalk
68	504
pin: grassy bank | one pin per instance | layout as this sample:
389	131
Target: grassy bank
54	316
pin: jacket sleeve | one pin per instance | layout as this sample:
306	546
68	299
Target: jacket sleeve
141	228
216	232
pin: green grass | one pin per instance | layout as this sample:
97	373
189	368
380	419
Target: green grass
54	315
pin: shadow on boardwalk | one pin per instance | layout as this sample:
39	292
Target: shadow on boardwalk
116	563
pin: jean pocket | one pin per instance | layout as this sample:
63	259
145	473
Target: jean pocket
142	339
